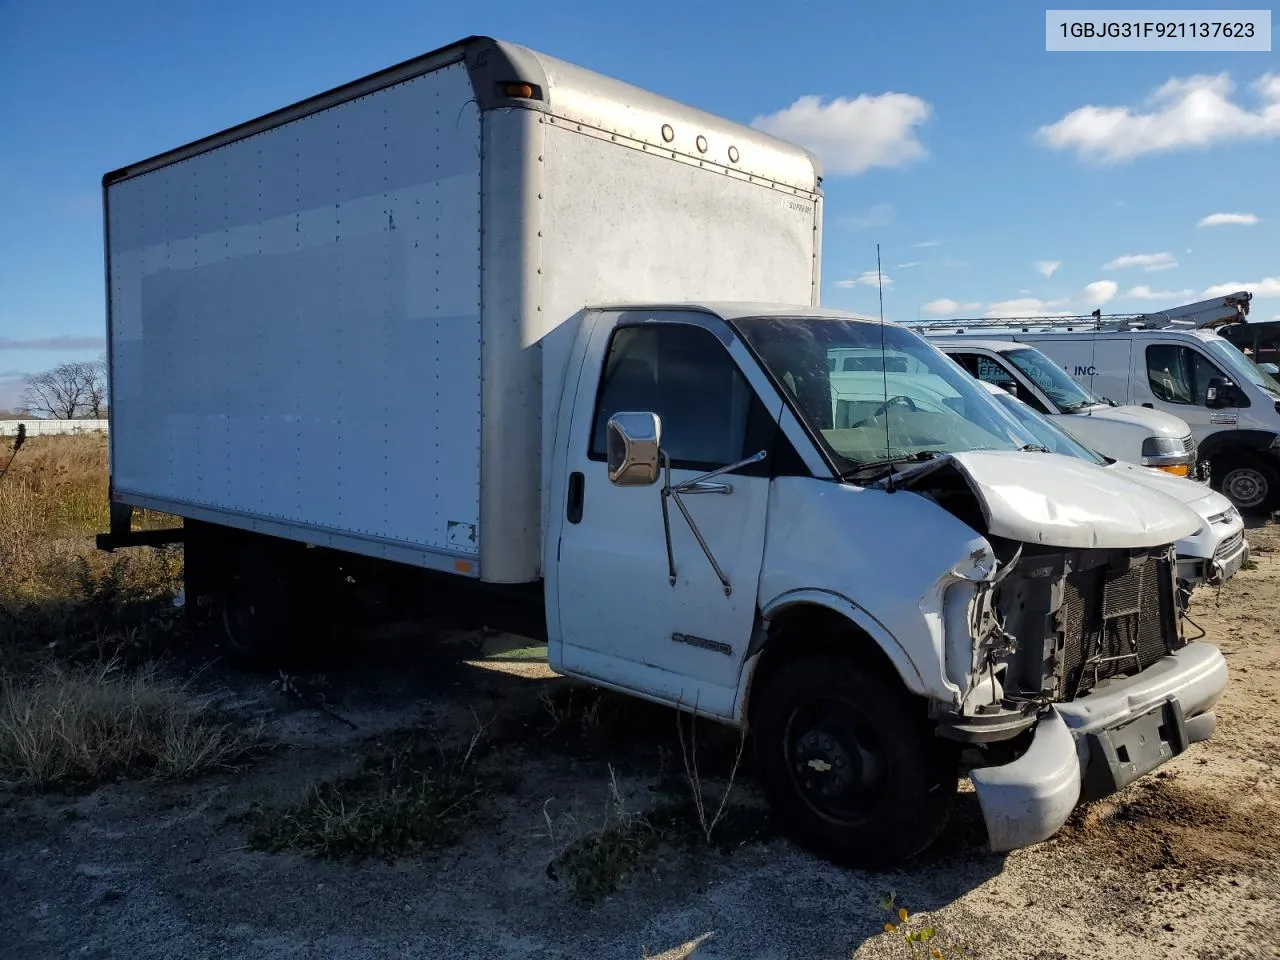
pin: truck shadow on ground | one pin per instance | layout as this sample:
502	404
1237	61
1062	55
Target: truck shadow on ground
630	800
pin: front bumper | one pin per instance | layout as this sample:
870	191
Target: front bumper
1091	747
1215	569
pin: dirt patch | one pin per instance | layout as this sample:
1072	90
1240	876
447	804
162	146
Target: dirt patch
1183	830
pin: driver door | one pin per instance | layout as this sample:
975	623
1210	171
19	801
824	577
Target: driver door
619	616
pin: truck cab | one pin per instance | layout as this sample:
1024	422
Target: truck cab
874	590
1124	432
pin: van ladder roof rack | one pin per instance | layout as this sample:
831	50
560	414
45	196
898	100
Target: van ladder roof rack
1216	312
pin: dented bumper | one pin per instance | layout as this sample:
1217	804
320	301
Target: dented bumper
1087	748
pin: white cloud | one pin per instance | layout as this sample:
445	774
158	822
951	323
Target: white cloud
946	307
868	279
909	263
1099	292
852	135
881	215
1147	261
927	243
1146	293
1026	307
1196	112
1226	219
1093	295
1047	268
1262	289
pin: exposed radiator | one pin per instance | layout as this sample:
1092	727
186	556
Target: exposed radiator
1115	624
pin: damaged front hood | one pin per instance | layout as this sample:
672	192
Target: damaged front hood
1057	501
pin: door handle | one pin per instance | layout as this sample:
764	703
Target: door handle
577	492
1149	406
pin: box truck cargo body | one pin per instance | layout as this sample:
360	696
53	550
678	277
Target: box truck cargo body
334	323
493	333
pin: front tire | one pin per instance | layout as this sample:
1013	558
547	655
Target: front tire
1252	485
850	764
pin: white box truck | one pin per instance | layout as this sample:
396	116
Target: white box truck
432	333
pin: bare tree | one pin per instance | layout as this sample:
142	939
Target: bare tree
95	376
68	390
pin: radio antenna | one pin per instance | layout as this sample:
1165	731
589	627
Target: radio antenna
884	371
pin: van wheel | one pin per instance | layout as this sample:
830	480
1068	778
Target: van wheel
850	765
1250	484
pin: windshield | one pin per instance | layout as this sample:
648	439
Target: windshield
868	405
1047	433
1242	368
1065	392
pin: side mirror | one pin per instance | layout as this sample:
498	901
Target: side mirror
1220	393
632	443
1270	368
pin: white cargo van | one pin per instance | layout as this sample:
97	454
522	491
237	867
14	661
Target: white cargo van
1175	363
1130	433
429	335
1212	554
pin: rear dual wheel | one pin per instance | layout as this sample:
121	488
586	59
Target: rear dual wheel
850	763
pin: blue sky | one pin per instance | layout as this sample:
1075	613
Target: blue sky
949	134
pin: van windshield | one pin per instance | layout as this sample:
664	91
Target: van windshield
1047	433
869	405
1241	367
1066	393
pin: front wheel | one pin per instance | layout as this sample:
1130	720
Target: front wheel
1251	485
850	766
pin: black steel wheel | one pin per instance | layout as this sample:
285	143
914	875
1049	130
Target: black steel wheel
1251	485
850	763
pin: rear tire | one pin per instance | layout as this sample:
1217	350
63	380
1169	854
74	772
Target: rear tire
1252	484
253	611
850	764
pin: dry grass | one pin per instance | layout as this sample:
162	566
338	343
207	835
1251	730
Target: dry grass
57	589
90	724
73	620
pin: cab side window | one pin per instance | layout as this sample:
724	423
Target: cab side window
1179	374
710	415
993	371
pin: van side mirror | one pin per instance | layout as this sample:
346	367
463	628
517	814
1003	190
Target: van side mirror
1221	393
632	445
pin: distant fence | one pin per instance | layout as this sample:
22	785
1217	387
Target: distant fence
48	428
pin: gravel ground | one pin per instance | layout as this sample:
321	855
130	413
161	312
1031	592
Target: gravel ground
1186	863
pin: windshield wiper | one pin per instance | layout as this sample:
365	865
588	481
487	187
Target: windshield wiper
918	457
1034	448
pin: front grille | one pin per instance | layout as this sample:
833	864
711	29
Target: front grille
1114	623
1229	546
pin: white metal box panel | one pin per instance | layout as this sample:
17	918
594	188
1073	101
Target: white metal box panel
295	322
573	218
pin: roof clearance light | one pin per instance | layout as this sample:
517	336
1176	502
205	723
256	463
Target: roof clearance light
521	91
